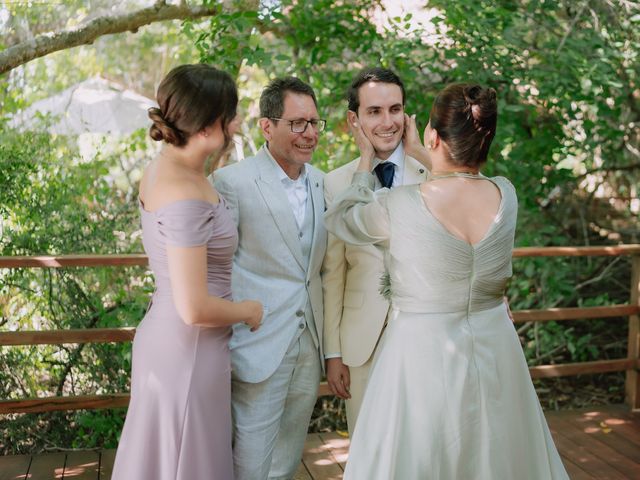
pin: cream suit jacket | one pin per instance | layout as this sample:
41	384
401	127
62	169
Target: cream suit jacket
354	310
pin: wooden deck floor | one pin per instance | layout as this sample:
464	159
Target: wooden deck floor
597	443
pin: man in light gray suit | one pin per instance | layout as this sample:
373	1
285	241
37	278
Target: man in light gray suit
276	199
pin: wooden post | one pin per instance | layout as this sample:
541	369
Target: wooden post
632	385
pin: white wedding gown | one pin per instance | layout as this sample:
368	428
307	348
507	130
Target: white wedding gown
449	395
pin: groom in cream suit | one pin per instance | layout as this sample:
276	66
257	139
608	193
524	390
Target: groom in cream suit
276	200
354	310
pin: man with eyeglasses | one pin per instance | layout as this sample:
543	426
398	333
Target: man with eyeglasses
355	309
276	199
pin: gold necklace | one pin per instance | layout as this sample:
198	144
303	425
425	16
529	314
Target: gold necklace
439	175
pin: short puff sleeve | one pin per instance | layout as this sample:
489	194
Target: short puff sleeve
187	223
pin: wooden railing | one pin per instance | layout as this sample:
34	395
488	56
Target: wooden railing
630	364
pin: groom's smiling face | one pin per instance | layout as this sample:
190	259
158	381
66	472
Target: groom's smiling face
381	115
292	150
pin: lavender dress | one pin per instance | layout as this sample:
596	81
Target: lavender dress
178	426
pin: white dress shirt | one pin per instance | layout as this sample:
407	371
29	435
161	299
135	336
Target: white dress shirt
297	191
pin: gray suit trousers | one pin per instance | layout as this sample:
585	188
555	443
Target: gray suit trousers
268	438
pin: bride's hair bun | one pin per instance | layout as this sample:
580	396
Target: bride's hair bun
465	117
163	130
481	103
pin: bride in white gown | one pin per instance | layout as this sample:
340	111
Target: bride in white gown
449	395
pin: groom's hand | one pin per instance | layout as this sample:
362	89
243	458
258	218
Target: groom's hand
367	152
338	377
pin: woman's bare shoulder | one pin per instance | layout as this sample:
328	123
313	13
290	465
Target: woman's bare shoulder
158	189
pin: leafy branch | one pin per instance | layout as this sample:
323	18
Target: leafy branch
47	43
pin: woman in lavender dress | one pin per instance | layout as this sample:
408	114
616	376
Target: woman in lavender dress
178	426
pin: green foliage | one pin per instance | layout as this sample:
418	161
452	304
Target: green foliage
565	74
57	203
99	428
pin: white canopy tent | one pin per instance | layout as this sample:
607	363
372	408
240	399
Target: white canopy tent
95	106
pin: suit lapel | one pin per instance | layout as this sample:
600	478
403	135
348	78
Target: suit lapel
414	171
275	198
317	197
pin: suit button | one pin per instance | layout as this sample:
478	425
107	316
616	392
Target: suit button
301	326
300	234
299	313
308	283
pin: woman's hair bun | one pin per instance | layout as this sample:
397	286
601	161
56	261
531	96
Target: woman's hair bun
191	98
481	101
471	93
465	116
163	130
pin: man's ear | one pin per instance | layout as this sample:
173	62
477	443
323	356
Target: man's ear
266	126
352	118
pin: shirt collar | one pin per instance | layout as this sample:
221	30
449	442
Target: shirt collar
397	157
281	173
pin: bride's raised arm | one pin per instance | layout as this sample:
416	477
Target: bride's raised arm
359	215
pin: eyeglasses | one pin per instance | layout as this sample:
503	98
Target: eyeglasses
300	125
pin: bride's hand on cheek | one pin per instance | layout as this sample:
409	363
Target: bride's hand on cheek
412	144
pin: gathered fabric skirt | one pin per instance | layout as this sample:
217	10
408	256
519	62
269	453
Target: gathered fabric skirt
450	397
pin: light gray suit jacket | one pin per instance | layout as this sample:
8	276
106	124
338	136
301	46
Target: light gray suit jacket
268	265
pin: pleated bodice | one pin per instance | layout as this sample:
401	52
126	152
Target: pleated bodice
432	271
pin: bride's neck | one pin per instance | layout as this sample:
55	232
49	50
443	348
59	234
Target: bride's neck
443	167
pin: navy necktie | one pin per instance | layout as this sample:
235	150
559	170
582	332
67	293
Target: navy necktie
385	171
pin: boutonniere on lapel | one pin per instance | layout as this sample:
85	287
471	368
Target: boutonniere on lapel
385	286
